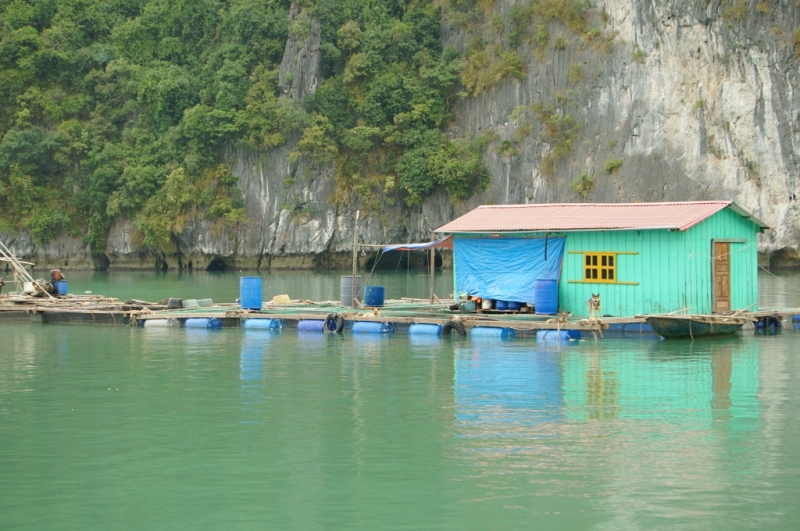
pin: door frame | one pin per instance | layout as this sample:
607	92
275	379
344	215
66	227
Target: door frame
730	268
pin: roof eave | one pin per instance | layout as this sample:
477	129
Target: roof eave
522	231
747	215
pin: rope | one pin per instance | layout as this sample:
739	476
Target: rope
437	284
779	278
374	265
701	255
396	269
408	271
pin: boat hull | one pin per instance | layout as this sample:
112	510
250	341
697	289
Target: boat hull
692	328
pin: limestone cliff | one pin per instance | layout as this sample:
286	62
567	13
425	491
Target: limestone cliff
684	100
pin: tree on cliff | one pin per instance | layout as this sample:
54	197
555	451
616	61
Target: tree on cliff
108	107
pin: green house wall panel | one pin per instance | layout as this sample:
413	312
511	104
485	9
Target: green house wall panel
641	286
724	225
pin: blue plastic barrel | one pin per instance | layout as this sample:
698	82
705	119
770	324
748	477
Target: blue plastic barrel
501	305
557	335
546	296
262	324
490	332
373	295
362	327
425	329
310	325
513	305
60	286
203	322
250	293
796	321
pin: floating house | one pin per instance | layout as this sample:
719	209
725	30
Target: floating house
642	258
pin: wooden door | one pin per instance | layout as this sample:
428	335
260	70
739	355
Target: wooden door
722	277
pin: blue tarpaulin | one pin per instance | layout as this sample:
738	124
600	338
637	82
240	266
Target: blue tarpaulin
506	269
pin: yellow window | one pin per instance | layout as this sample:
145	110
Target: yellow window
600	267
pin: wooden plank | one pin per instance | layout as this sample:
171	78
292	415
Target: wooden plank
603	283
540	325
609	252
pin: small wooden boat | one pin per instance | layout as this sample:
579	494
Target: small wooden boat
696	326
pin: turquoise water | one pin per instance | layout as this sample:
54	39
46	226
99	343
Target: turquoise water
127	428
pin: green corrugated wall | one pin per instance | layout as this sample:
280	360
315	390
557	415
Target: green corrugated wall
723	225
672	269
649	292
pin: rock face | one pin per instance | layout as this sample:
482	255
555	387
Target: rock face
688	102
64	251
689	105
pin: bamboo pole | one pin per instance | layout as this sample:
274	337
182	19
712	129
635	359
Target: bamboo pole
21	274
432	262
355	259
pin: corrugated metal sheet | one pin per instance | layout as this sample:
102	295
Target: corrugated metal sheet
590	216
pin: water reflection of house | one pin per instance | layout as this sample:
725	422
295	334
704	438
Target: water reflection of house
718	380
502	391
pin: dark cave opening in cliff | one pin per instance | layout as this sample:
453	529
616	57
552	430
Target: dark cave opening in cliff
216	264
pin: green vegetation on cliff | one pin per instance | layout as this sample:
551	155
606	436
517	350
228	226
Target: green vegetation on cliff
109	107
124	109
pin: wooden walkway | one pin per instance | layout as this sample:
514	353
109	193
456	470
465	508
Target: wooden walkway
81	309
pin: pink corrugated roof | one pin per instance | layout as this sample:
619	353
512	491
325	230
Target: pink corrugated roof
590	216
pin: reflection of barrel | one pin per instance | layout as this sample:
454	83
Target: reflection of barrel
373	295
546	296
250	367
250	293
347	289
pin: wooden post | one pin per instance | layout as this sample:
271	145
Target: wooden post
433	256
355	258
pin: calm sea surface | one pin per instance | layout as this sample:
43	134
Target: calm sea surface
117	428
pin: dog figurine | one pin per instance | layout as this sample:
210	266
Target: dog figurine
594	307
562	318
